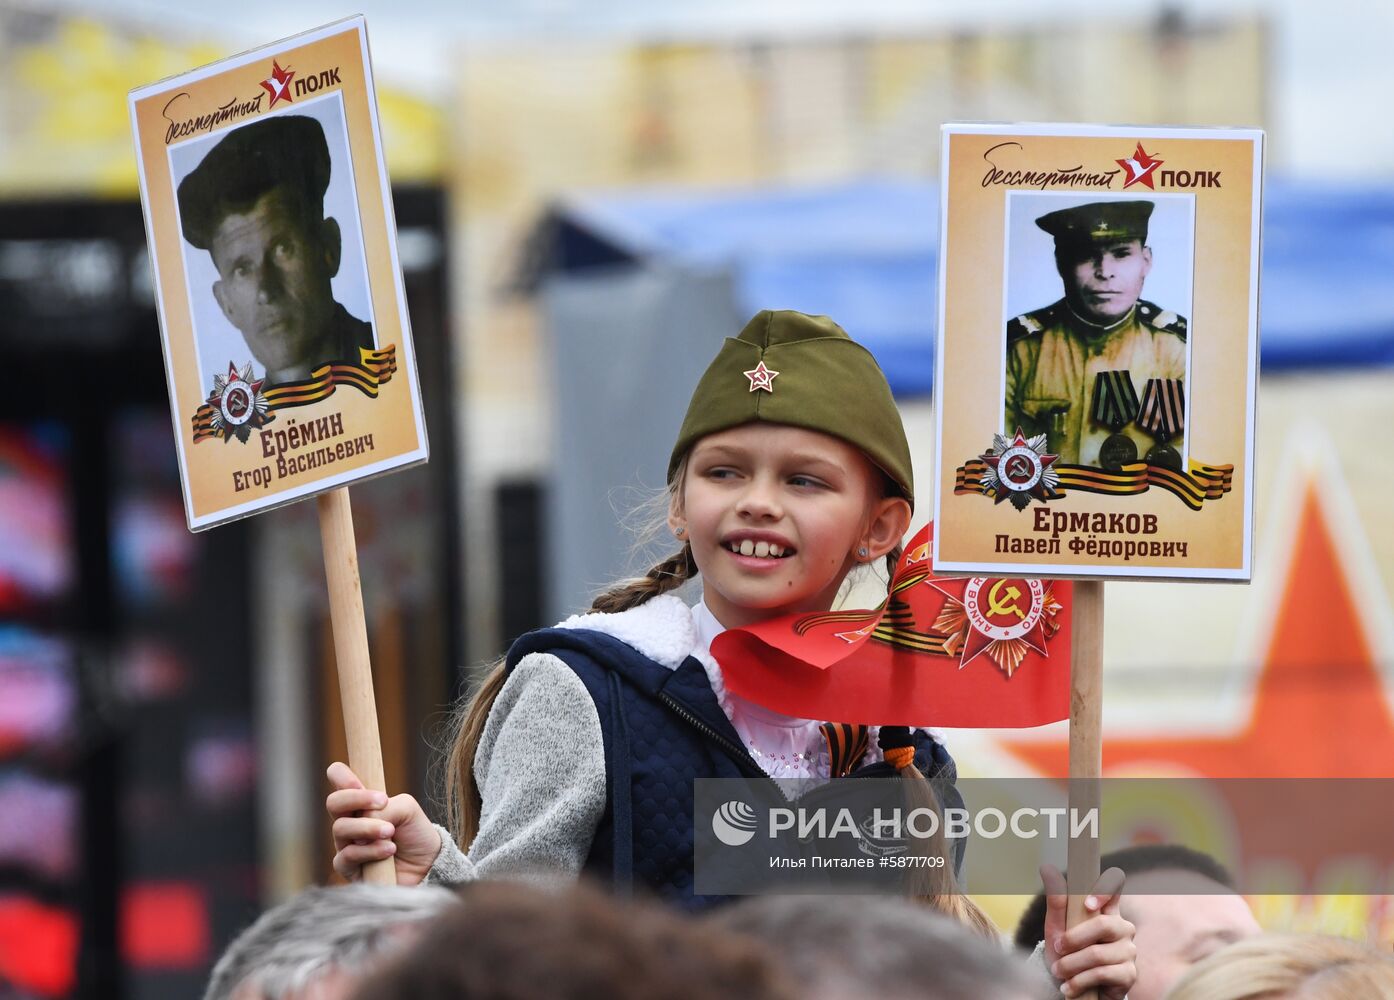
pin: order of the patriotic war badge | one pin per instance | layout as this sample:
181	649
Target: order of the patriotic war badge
1004	618
1019	470
237	403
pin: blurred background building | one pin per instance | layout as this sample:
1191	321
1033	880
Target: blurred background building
581	222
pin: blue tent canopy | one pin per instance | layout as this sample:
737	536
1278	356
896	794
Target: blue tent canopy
866	254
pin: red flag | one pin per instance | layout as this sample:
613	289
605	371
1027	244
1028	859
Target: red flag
941	651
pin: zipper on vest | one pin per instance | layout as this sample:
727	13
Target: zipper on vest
740	753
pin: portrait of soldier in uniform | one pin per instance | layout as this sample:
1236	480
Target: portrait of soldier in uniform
255	203
1101	371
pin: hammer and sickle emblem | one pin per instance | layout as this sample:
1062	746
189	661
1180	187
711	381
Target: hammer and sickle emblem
1004	606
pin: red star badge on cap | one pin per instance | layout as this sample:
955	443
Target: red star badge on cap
761	378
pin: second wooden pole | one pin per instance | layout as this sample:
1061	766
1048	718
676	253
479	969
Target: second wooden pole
1086	739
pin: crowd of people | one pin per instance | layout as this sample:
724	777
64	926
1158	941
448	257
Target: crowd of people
516	940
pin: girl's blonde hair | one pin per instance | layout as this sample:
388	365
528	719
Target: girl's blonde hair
936	887
1295	966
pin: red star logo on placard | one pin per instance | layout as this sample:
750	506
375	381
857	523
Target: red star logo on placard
761	378
1319	706
1139	168
278	84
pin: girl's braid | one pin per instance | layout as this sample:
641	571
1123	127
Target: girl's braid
462	798
668	575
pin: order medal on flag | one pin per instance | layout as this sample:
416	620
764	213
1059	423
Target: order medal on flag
1163	416
1115	406
1005	619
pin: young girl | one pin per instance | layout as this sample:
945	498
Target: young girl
580	750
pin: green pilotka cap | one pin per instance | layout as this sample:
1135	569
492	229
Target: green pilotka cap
790	368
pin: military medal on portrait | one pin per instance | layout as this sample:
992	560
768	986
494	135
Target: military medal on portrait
1098	351
286	341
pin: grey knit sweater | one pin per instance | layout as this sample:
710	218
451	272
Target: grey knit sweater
541	808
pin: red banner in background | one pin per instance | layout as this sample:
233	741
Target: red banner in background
941	651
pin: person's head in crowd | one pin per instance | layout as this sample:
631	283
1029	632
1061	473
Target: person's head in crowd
1183	904
1290	967
846	947
315	945
517	941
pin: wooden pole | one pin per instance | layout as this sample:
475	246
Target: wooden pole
1086	740
351	655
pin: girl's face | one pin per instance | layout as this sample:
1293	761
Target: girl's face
775	516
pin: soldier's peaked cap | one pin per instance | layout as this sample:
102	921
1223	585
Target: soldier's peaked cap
249	161
819	379
1098	222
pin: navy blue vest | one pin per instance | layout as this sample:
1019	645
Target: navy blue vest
663	729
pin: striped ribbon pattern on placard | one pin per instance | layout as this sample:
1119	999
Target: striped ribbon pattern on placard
1115	399
1202	482
373	369
1163	408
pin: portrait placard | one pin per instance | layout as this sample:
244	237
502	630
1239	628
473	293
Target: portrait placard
1098	351
268	212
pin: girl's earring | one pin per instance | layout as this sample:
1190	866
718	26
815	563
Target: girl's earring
679	532
862	552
